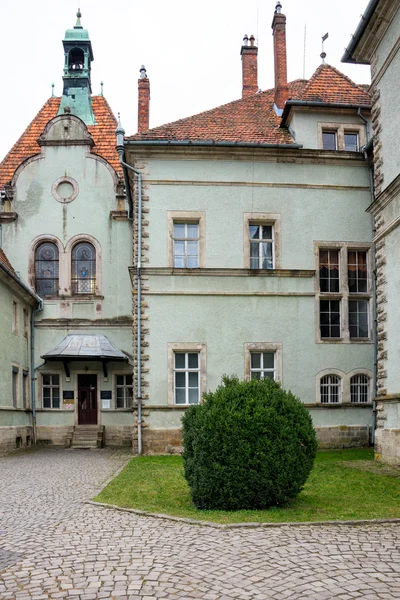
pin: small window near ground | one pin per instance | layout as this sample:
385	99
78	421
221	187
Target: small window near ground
15	386
359	389
261	246
357	271
351	142
329	270
186	245
187	377
262	365
329	312
124	391
330	389
25	388
358	318
51	391
329	140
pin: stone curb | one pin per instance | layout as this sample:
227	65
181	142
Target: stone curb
144	513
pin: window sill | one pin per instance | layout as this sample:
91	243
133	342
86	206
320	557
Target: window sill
320	405
74	297
214	272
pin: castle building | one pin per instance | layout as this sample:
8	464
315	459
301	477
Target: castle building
253	250
376	42
67	233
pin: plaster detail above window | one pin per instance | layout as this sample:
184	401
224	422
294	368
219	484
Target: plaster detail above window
65	190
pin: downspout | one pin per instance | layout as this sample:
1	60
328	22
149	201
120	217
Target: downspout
374	298
33	378
120	149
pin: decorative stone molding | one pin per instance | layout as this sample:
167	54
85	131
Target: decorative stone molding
65	189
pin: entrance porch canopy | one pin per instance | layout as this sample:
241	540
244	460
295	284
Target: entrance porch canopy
85	347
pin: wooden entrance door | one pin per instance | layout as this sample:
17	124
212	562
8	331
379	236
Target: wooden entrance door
87	399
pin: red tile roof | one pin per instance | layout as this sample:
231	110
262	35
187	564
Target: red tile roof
330	85
103	134
253	119
4	261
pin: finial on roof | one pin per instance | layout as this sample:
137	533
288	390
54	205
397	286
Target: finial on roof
278	8
246	40
143	72
78	20
120	132
101	92
323	53
52	90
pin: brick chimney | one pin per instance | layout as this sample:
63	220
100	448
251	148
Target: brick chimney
143	101
249	67
279	33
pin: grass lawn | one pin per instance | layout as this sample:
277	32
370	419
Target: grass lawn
344	484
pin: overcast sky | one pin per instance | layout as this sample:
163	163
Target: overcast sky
191	50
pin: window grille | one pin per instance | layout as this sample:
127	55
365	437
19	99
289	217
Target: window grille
330	389
359	389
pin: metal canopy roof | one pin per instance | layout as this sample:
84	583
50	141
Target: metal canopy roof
85	347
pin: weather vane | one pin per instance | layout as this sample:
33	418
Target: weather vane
323	53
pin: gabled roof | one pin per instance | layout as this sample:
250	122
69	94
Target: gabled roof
251	119
103	134
331	86
4	261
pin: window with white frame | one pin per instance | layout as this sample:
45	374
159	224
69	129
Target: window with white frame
50	391
262	365
261	246
186	245
186	377
330	389
343	293
329	140
124	391
359	389
351	143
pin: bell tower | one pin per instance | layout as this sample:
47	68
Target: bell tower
78	55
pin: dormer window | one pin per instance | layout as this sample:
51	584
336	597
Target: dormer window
329	140
76	60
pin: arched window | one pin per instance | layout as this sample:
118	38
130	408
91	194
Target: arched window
76	59
83	269
359	389
330	389
46	269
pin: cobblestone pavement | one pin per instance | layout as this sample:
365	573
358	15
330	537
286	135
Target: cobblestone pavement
52	545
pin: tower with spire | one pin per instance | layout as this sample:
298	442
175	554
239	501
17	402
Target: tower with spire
77	89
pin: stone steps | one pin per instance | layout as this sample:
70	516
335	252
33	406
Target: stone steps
87	437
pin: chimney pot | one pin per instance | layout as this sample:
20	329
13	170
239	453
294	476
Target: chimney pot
252	40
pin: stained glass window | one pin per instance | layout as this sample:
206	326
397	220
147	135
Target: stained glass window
46	269
83	269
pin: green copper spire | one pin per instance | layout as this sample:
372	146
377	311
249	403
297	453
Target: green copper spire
78	55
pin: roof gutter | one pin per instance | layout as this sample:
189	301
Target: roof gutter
209	144
318	104
356	37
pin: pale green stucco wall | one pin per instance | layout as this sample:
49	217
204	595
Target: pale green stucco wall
304	125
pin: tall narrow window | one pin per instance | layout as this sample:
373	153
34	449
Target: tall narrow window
357	271
186	245
330	389
26	323
25	388
15	319
359	389
15	386
83	269
358	318
262	365
46	269
329	311
187	377
329	270
124	391
51	391
261	246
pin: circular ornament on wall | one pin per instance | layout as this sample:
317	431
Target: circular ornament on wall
65	190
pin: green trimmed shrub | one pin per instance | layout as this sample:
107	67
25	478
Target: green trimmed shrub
250	445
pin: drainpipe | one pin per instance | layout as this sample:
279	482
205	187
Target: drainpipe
33	378
120	149
374	299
